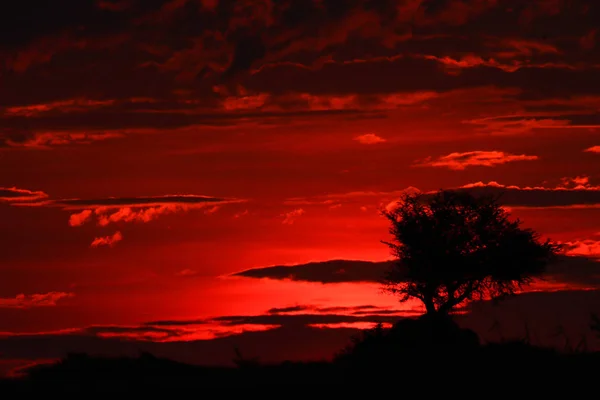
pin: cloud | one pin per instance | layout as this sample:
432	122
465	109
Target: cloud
301	315
332	271
579	268
187	272
370	309
16	195
306	319
309	53
526	122
80	218
460	161
593	149
241	214
348	197
568	194
129	214
290	217
136	202
47	140
62	106
34	300
369	138
131	209
107	240
587	248
113	210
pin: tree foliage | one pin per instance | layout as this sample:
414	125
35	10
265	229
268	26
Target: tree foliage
454	247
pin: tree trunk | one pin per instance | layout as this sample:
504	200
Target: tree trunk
445	308
430	306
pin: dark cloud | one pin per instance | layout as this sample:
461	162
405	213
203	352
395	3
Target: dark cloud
426	74
460	161
514	196
283	310
574	270
357	309
305	319
138	201
247	50
34	300
159	49
332	271
140	332
298	315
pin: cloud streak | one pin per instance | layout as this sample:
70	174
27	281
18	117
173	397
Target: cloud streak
332	271
108	241
578	267
369	138
16	195
34	300
574	192
593	149
460	161
290	217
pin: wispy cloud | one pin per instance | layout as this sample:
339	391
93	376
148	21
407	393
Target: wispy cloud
107	240
593	149
16	195
112	210
120	209
526	122
369	138
34	300
290	217
186	272
460	161
63	106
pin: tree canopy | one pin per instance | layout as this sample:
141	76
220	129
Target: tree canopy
453	247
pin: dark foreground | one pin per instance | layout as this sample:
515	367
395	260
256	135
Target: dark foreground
410	354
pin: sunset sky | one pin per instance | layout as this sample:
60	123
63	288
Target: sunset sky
150	149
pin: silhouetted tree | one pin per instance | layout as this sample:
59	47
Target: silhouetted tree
454	247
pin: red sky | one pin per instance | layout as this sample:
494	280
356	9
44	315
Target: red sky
150	149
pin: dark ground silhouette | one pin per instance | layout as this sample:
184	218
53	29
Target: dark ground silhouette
424	349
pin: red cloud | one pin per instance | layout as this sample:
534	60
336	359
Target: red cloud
578	183
586	248
44	140
64	106
16	195
34	300
593	149
369	138
460	161
128	214
291	216
107	240
80	218
518	124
